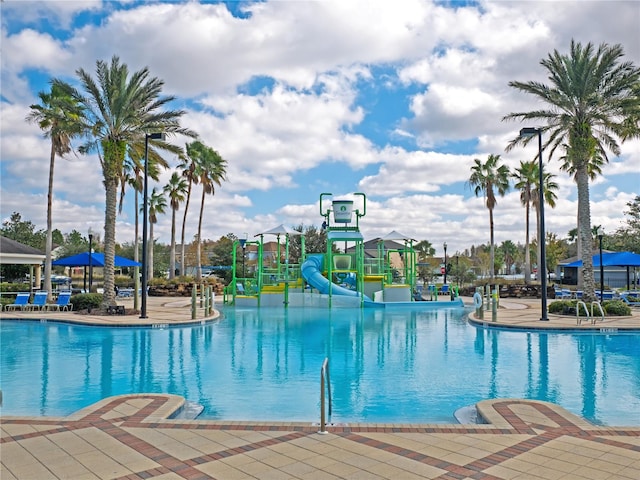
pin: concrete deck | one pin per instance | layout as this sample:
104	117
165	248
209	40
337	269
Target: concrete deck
130	437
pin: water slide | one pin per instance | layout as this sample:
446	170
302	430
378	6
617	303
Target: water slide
312	275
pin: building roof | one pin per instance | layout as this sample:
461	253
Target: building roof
16	253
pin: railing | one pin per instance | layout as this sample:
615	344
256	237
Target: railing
593	318
586	311
324	380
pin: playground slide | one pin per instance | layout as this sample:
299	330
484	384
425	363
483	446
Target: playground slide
311	273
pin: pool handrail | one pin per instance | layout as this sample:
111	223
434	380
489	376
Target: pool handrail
324	376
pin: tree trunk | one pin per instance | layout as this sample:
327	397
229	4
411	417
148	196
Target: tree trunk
584	232
113	160
49	240
111	197
492	254
172	254
184	224
198	251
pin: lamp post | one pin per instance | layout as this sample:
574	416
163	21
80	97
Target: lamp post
600	234
458	269
90	258
445	263
145	214
542	261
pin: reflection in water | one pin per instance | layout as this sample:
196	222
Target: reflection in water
386	366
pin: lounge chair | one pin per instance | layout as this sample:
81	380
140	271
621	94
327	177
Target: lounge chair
240	289
62	304
444	290
22	300
634	302
39	301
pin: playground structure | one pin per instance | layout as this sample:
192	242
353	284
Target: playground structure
344	275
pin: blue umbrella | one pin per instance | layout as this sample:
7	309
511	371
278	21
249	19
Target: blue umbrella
611	259
97	260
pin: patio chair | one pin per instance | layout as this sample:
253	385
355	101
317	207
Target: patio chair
444	290
39	301
62	304
22	300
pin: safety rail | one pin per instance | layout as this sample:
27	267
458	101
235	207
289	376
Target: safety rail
593	318
586	311
324	380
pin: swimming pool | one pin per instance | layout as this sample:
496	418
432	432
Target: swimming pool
401	366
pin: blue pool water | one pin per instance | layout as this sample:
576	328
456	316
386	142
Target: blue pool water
386	366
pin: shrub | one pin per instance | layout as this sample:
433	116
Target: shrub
86	301
616	307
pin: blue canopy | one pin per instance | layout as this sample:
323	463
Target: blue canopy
617	259
97	260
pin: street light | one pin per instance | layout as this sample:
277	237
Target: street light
600	234
542	261
458	269
90	258
445	263
145	213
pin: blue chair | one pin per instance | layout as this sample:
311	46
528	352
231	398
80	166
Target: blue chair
22	300
39	301
62	304
444	290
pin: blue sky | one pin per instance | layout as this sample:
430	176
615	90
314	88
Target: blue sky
393	99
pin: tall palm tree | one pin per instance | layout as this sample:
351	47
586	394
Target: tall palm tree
490	178
60	117
549	189
176	189
188	165
525	177
157	205
121	108
593	103
210	170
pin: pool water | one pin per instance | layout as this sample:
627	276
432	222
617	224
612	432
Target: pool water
401	366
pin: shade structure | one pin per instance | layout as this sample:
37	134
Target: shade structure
97	260
612	259
280	230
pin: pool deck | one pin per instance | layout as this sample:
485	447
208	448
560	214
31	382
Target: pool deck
130	437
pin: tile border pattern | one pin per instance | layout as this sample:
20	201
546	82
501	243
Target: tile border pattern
121	417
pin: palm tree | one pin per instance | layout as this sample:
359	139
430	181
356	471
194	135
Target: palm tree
120	110
157	205
593	101
490	178
60	118
210	170
526	176
188	165
176	189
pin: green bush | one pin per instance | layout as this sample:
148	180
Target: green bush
610	307
616	307
86	301
14	287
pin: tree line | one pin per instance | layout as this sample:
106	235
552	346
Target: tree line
590	106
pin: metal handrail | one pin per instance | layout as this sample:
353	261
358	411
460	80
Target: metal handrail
593	319
324	377
586	311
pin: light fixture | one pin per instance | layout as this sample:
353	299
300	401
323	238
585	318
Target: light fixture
542	261
145	213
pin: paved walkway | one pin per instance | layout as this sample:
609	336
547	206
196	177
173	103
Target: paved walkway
131	437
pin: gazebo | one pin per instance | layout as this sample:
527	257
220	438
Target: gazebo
16	253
